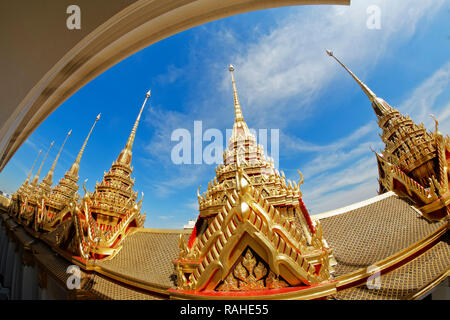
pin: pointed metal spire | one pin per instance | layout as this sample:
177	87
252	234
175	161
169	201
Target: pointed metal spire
36	177
49	177
125	155
365	88
76	165
32	167
237	106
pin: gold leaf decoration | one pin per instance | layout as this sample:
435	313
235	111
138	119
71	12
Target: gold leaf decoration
250	274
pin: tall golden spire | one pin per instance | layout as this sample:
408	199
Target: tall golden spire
49	177
125	155
379	105
32	167
76	165
36	177
237	106
365	88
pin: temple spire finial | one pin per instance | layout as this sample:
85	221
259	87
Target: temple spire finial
237	106
363	86
49	177
32	167
125	155
76	165
36	177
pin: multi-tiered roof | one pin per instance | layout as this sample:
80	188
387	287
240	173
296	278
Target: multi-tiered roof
45	187
414	162
65	191
111	210
254	231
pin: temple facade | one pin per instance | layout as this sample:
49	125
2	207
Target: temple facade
254	237
253	231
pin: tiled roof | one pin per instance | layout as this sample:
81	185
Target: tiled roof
146	257
371	233
96	285
406	280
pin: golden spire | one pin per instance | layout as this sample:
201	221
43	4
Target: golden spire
125	155
365	88
379	105
49	177
32	167
237	106
36	177
76	165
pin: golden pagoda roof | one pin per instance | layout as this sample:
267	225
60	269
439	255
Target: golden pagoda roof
414	162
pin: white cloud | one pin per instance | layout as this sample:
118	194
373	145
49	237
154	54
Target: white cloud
289	63
421	102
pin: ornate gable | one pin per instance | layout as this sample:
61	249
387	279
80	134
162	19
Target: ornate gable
247	221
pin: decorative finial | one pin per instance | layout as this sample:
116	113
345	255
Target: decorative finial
436	123
237	106
32	167
36	177
125	154
76	165
365	88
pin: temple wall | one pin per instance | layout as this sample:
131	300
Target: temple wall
20	277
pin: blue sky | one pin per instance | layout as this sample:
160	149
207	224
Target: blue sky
285	81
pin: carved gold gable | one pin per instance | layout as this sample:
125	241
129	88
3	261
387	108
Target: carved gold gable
251	273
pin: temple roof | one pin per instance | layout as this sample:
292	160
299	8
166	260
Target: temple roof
361	235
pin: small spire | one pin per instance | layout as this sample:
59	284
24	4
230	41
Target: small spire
76	165
237	106
32	167
125	155
365	88
49	177
36	177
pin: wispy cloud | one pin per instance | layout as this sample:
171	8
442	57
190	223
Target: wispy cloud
288	68
173	74
422	101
